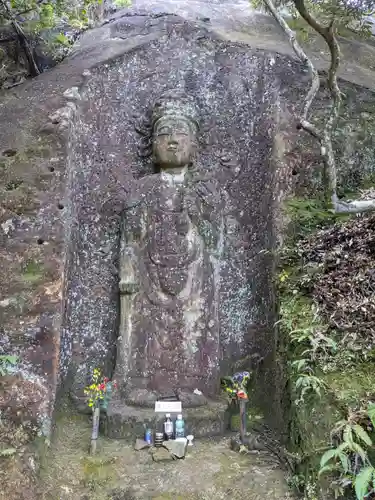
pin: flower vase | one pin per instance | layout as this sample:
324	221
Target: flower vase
95	428
107	396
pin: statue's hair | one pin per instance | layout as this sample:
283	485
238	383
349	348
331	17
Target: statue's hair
172	103
144	129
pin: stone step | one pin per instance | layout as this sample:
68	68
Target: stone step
128	422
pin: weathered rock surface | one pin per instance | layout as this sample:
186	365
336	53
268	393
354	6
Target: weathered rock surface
34	175
40	217
162	455
245	95
126	422
219	76
252	442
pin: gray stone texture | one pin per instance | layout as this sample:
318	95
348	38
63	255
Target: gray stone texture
127	422
237	93
140	444
58	254
162	455
176	447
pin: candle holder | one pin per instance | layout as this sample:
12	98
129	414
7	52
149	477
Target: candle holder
190	440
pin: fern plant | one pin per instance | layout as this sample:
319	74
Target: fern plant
349	459
313	345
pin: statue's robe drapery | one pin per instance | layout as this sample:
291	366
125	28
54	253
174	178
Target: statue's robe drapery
171	243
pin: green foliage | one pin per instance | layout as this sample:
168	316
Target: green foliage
122	3
363	482
348	462
61	39
349	16
35	16
371	413
7	362
33	272
308	215
39	18
311	345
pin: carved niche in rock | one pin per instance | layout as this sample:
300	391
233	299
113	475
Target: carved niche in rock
172	240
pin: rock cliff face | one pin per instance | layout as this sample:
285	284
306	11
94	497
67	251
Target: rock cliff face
63	132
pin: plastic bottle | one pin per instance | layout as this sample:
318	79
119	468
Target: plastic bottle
180	427
168	427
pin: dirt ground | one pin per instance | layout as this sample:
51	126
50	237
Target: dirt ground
209	471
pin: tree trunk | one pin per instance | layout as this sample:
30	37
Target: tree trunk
322	135
8	14
32	64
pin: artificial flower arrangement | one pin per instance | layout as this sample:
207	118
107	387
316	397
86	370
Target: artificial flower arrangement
99	392
98	395
236	386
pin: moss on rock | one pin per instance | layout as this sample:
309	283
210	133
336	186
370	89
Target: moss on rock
354	386
316	348
33	272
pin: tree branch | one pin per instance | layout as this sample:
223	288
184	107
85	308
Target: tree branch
33	66
324	135
315	80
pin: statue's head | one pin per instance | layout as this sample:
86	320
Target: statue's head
175	127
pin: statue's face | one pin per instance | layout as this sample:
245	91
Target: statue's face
174	142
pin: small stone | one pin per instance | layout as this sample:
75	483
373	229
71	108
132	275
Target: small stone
73	93
5	302
162	455
235	444
176	447
252	442
140	444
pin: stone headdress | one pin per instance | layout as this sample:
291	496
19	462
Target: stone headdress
175	103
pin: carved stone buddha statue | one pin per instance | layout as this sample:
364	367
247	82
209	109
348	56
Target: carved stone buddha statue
172	238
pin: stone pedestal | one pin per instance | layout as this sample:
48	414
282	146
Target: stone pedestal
127	422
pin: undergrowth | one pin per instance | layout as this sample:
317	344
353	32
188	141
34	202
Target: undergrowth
331	436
